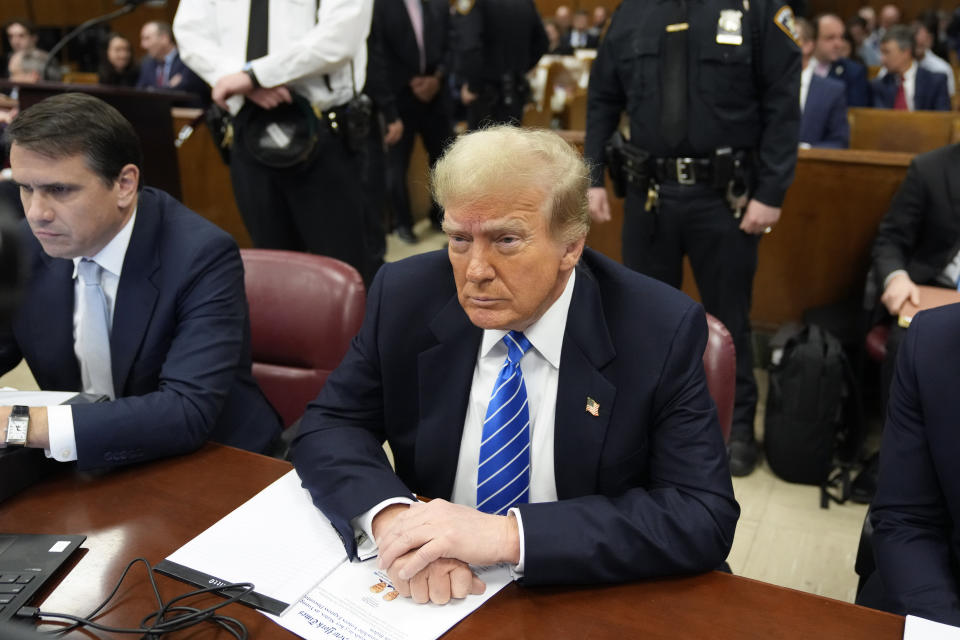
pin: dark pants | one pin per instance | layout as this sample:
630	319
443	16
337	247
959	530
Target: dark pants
696	221
373	167
432	121
316	207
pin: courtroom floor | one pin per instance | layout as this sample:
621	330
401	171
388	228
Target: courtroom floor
783	535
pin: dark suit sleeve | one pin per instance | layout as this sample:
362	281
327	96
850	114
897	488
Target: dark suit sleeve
378	85
10	355
538	37
343	429
147	73
606	98
682	521
901	226
858	89
779	110
197	368
941	96
911	523
837	135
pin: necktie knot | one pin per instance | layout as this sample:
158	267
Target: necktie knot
517	345
89	272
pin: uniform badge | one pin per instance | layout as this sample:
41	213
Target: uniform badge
730	27
463	7
784	20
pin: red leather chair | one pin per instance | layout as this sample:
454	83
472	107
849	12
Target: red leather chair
876	342
720	364
304	310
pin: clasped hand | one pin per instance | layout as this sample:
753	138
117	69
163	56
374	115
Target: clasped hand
426	548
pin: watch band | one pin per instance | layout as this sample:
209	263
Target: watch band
18	424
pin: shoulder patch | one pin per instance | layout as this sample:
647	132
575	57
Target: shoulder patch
784	20
463	7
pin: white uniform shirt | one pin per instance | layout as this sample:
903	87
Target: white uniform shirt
304	43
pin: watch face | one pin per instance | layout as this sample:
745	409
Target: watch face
17	430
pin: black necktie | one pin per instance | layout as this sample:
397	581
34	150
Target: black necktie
673	101
257	34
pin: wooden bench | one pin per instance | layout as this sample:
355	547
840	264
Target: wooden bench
908	132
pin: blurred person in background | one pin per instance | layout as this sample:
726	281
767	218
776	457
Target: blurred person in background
118	66
21	36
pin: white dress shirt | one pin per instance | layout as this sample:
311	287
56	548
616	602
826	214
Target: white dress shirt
304	43
910	85
806	76
541	374
63	440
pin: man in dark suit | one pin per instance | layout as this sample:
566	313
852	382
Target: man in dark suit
412	51
916	511
823	103
581	36
592	454
829	60
162	67
131	296
906	85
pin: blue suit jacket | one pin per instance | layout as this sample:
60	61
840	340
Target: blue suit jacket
644	488
916	512
179	346
189	81
854	76
824	120
930	92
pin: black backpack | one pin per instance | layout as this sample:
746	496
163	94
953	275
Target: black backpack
812	426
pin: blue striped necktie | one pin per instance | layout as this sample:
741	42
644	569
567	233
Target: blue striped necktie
503	477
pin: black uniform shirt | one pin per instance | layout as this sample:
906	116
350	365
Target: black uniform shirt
744	96
495	37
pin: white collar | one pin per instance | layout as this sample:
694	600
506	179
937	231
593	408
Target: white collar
546	334
110	258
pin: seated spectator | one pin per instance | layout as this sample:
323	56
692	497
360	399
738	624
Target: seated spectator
828	61
26	66
924	36
131	296
823	102
563	18
916	512
556	46
520	323
599	21
162	67
118	67
580	36
905	85
22	37
856	34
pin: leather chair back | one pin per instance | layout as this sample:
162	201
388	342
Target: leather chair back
304	311
720	364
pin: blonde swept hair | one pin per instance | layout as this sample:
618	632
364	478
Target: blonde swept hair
496	162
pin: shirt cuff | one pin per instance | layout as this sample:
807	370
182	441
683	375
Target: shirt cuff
517	570
890	276
363	527
63	439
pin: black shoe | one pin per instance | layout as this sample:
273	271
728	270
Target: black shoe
743	456
406	234
864	486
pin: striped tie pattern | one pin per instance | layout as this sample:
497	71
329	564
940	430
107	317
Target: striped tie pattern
503	477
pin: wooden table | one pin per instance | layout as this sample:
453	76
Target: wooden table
152	509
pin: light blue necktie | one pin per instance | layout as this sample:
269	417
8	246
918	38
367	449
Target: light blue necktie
93	332
503	477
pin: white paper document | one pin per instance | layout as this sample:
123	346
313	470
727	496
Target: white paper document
278	540
357	602
283	544
917	628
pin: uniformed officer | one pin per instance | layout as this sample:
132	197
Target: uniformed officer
497	43
711	88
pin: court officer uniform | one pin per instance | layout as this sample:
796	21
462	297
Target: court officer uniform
711	88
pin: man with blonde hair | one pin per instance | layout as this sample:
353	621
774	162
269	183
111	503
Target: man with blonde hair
552	401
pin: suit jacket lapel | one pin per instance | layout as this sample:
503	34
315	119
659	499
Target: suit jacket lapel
445	376
587	348
137	292
48	322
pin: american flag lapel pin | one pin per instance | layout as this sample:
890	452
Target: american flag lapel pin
593	407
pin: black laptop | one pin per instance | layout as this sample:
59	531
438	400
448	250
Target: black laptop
27	561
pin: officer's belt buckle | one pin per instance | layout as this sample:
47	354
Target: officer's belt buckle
686	174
